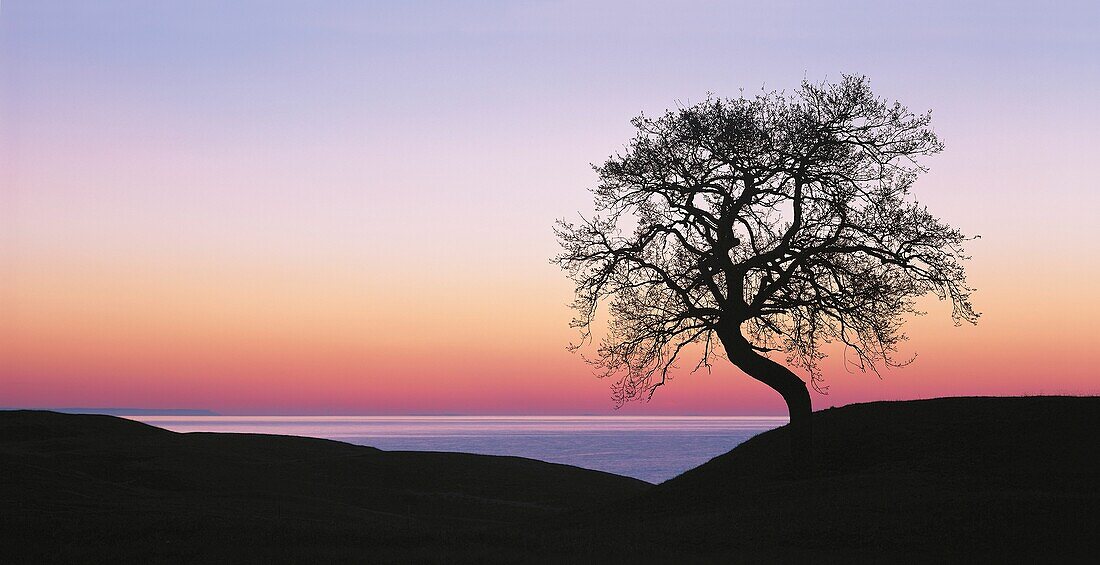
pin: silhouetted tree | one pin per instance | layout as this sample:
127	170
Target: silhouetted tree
746	226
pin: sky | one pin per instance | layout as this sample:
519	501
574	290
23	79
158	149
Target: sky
346	207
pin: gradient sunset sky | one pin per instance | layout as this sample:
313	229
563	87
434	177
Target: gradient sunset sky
346	207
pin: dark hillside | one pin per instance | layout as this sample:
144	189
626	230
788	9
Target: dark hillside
988	478
81	488
955	480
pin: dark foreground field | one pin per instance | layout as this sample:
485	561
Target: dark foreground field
956	479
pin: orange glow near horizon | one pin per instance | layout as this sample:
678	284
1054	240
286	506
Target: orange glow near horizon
246	339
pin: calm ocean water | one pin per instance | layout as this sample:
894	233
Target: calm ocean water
653	449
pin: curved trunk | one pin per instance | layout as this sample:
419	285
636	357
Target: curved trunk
787	384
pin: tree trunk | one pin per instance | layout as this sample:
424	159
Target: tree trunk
787	384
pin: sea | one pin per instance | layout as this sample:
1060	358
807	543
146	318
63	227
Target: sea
651	448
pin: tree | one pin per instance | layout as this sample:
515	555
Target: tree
746	227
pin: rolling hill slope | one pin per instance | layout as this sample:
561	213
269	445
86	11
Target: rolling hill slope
1001	479
82	488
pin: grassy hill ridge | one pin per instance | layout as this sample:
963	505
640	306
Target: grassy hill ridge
978	478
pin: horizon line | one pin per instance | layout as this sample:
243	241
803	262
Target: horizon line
204	413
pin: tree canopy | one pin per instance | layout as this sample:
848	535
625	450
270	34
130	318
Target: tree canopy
754	226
